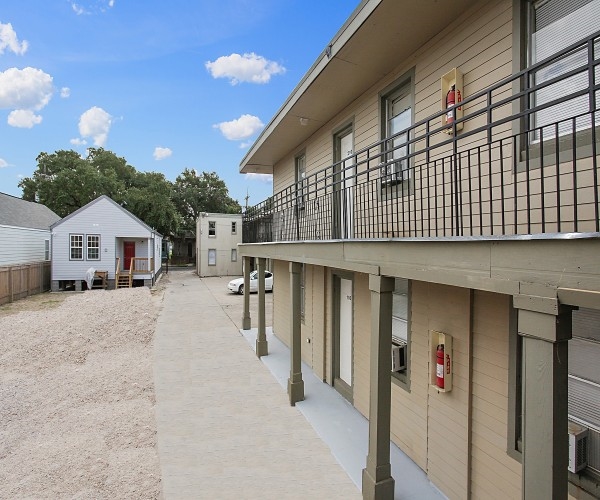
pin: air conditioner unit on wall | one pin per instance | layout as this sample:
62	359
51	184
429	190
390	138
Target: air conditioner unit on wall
578	446
398	355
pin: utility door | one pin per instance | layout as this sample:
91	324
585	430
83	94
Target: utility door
344	338
129	253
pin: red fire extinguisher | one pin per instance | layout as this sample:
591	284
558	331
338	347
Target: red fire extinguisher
451	100
440	366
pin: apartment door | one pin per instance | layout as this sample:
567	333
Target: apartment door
344	144
129	253
343	338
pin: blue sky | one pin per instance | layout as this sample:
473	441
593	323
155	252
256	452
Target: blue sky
167	85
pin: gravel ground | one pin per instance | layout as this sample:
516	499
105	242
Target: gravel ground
77	396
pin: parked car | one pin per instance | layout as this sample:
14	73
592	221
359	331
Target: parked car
237	285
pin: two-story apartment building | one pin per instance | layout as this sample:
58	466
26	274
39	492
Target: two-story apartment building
435	237
217	238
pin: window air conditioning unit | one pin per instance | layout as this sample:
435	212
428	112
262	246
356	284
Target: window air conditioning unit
398	354
578	446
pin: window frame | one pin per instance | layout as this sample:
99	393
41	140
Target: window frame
234	227
402	379
392	184
88	246
212	229
234	255
530	151
212	251
46	249
80	237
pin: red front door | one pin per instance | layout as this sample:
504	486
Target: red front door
129	250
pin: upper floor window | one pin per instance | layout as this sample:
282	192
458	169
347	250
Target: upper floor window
76	247
234	228
212	228
93	247
553	26
397	112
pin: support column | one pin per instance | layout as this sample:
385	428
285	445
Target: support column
246	321
261	339
295	382
377	480
544	401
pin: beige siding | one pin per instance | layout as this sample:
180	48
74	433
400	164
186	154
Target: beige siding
281	300
494	474
317	294
362	340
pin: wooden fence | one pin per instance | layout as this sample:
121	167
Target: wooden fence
22	280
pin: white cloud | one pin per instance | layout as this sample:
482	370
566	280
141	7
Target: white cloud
23	118
95	123
92	7
65	92
162	153
27	88
8	39
78	142
268	178
242	128
244	68
3	163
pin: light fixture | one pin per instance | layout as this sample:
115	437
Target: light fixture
303	121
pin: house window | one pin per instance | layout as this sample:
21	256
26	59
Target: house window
46	249
234	255
212	257
397	115
76	247
234	228
400	331
301	187
584	382
553	26
93	247
212	228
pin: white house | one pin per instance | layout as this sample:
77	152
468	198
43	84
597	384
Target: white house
24	231
217	237
104	236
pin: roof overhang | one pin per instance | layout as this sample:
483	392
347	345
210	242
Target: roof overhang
378	37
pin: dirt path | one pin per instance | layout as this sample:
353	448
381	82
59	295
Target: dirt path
77	396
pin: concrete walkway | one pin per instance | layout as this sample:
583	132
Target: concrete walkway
225	427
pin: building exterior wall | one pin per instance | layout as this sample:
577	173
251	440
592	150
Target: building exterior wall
20	245
114	226
223	243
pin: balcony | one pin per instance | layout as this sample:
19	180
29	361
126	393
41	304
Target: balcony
523	160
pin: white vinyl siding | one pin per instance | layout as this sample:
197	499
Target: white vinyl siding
21	245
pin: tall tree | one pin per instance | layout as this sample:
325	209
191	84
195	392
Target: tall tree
194	194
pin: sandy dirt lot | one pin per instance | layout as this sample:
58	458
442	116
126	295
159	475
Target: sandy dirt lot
77	396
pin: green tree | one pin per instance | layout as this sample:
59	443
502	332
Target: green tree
194	194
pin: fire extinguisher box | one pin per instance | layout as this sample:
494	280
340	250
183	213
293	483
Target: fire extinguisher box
453	78
440	343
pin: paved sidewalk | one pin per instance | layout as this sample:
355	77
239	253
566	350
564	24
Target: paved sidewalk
225	427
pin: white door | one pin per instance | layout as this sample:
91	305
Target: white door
345	334
347	186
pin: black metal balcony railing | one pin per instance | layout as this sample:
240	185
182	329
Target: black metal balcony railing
433	181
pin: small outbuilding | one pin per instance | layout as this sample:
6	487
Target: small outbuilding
104	237
217	238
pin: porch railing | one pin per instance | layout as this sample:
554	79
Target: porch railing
509	171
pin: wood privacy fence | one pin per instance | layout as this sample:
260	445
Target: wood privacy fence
22	280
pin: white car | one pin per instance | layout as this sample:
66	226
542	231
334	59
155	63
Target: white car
237	285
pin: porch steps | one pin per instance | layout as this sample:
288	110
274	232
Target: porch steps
124	281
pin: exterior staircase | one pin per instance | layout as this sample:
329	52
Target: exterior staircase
123	279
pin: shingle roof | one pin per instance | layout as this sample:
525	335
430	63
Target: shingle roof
20	213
